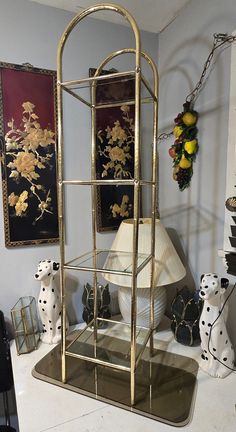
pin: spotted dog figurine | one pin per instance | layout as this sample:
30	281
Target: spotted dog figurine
212	291
49	303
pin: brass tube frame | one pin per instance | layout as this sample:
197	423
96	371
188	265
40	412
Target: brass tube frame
77	96
96	78
138	78
94	205
97	361
105	182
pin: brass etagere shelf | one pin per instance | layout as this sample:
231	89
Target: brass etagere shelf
86	344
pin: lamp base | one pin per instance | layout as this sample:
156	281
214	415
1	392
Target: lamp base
143	305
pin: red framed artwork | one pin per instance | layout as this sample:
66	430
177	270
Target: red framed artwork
115	150
28	154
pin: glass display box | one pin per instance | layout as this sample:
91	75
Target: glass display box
26	325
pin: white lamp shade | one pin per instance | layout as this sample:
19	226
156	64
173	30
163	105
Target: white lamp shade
168	266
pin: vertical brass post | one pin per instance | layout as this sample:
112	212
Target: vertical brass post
154	200
60	165
33	326
136	216
94	222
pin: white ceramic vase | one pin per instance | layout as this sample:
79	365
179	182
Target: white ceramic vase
143	305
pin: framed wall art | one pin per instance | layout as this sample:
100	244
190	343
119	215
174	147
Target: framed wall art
28	154
115	150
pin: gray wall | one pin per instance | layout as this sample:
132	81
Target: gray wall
30	32
198	213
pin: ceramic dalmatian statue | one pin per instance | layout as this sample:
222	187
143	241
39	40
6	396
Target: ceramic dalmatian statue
212	291
49	303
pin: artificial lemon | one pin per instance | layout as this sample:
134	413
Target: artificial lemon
189	119
191	146
178	131
185	163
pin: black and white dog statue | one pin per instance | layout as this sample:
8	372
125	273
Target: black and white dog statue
217	351
49	302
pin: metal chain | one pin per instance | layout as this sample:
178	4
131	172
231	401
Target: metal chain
163	136
219	40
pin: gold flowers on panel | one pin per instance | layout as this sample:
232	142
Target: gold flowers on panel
18	202
122	210
28	148
117	151
117	147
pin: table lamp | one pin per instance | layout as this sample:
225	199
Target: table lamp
168	269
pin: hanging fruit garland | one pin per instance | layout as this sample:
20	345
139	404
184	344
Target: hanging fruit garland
184	150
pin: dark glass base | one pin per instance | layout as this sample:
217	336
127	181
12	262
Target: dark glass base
165	384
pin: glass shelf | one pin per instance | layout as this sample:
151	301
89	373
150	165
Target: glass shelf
108	261
109	349
108	88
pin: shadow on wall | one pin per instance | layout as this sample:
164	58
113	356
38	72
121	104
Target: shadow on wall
188	280
183	63
184	67
72	301
199	230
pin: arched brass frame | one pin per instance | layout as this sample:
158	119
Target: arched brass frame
137	183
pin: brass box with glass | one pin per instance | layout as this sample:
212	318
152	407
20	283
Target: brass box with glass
25	323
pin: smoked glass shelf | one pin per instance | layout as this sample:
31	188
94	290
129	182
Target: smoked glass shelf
108	261
108	349
81	89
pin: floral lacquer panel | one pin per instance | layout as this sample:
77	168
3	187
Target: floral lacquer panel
115	151
28	141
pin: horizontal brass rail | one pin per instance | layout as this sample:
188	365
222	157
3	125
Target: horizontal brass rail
97	361
107	182
97	78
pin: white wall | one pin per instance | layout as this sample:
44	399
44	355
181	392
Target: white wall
30	32
198	213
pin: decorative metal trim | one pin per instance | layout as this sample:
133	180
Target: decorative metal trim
230	204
